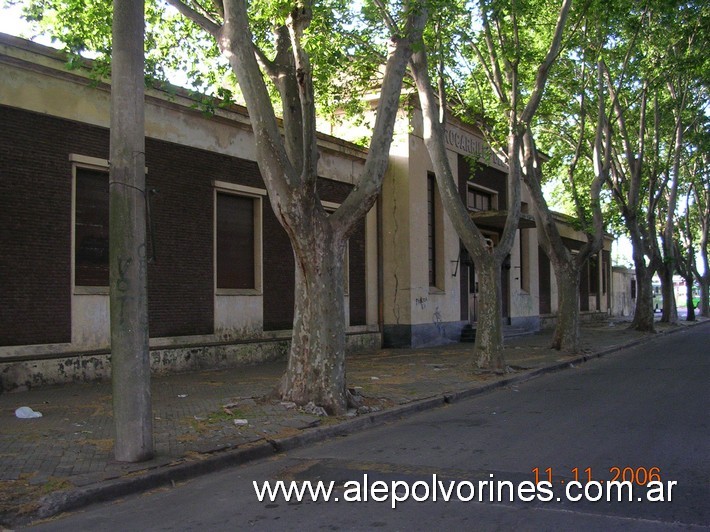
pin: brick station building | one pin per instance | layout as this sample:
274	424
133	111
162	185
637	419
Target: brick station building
220	273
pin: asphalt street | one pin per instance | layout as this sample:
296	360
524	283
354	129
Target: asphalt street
643	411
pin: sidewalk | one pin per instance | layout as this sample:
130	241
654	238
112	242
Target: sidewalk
210	419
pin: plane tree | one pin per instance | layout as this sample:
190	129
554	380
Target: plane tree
573	125
677	58
634	193
656	75
316	363
269	46
695	222
510	57
684	248
701	212
577	125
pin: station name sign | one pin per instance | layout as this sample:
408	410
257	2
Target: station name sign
469	145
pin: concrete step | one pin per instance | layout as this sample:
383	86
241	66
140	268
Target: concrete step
468	333
509	331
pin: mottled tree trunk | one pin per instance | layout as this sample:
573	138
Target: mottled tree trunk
489	329
287	152
669	313
566	335
489	333
704	298
643	314
690	315
316	363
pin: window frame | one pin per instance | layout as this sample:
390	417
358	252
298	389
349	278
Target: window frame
524	250
431	230
256	195
593	277
89	163
436	239
488	192
330	208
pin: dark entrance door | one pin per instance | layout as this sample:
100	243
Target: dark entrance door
545	288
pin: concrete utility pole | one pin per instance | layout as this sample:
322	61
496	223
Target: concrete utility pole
130	359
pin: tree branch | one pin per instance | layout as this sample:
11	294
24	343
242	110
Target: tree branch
467	230
364	195
297	22
494	74
544	69
236	42
387	17
186	11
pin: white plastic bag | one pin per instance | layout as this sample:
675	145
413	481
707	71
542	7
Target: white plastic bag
25	412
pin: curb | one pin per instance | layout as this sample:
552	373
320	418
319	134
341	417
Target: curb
59	502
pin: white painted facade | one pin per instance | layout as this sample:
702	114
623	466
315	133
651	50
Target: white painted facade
416	313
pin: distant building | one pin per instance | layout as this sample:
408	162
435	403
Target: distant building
623	292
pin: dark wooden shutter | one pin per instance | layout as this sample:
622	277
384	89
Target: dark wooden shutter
235	242
91	231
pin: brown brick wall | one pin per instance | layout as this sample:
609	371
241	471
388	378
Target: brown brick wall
35	232
279	265
180	290
35	223
278	274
